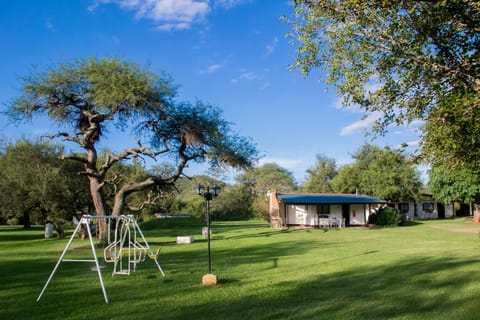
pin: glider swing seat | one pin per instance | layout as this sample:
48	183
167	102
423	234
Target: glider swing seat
125	251
125	246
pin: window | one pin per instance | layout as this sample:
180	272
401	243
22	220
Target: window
323	209
428	207
403	207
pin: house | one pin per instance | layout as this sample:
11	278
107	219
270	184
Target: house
426	208
307	209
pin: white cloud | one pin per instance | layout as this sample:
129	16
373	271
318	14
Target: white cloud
230	3
105	37
173	26
270	48
181	11
361	125
212	68
266	85
169	14
49	25
245	75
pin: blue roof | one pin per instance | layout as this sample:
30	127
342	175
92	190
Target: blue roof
322	198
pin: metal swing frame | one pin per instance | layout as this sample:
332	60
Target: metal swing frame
135	251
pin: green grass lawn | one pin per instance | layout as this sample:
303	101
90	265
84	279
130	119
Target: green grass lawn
425	270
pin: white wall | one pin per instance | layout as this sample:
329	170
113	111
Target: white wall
297	214
312	217
357	214
449	211
336	211
307	214
411	211
422	214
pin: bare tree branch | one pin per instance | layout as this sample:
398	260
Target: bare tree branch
62	134
151	200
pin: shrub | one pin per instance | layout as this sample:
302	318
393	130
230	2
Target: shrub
388	217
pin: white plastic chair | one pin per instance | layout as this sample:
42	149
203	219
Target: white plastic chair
323	223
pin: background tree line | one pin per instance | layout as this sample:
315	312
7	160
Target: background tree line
36	186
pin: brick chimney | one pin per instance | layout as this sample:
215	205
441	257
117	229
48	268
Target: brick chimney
274	210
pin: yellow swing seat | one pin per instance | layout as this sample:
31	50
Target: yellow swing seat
153	256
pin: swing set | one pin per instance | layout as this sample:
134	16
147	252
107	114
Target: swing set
125	246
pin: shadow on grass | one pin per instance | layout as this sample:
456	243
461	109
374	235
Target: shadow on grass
411	223
18	233
392	291
410	288
20	237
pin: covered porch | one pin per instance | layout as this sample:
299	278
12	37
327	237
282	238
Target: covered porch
321	210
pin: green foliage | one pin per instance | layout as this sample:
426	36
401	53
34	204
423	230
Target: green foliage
266	177
461	185
88	96
384	173
406	60
256	183
36	185
233	203
451	144
201	133
452	131
104	87
396	57
319	177
387	217
261	207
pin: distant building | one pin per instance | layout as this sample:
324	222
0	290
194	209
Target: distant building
426	208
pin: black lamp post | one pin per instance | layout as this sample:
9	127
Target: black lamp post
208	195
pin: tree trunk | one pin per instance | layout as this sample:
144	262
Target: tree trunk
122	194
26	220
59	229
98	199
101	208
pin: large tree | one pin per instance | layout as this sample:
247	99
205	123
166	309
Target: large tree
398	57
89	96
381	172
452	145
406	60
320	175
459	185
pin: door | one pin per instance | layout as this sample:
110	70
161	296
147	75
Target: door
441	211
346	213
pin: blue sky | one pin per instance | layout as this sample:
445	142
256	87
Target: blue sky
230	53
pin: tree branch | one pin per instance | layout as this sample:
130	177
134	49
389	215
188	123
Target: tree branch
73	157
151	199
131	152
65	135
